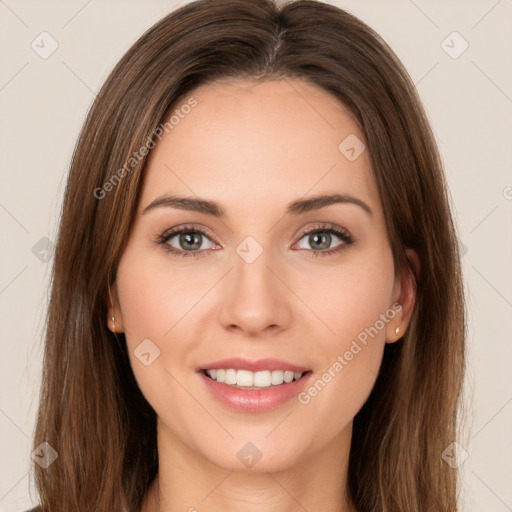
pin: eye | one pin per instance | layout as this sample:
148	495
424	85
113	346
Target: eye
185	241
190	241
321	238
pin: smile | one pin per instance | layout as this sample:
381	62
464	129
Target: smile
246	379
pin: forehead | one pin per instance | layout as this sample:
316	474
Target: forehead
251	144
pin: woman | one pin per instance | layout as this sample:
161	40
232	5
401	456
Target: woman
256	299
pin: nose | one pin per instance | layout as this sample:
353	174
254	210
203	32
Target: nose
257	303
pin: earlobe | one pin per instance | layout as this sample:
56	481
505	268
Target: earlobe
114	317
406	299
395	328
111	322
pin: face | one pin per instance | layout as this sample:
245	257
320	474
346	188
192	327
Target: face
265	277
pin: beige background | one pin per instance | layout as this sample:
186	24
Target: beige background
469	101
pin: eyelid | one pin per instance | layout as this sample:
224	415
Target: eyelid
189	227
324	226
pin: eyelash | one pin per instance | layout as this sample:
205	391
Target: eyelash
343	235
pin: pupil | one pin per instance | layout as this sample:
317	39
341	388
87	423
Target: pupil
324	244
190	238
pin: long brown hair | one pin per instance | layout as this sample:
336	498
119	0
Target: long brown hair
91	409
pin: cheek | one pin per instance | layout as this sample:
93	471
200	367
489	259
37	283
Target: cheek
155	296
349	299
157	304
353	310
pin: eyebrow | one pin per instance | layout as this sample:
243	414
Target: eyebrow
297	207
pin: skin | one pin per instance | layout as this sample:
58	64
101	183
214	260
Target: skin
254	148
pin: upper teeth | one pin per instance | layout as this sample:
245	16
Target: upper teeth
246	378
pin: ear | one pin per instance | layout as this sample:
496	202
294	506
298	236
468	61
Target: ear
114	316
404	298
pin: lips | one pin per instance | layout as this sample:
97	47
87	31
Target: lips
254	399
258	365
